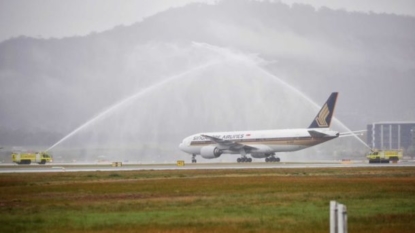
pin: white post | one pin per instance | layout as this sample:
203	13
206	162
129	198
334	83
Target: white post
333	216
340	225
338	217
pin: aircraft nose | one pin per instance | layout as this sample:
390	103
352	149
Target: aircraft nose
181	146
184	146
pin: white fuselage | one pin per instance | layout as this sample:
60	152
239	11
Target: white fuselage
262	141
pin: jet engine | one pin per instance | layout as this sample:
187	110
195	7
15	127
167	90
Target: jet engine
210	152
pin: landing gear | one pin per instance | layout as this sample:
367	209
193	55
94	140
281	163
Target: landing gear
194	158
244	160
272	159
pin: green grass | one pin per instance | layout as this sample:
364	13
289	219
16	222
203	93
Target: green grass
257	200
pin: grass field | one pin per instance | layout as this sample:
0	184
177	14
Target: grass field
259	200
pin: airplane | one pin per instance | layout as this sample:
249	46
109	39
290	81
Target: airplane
263	143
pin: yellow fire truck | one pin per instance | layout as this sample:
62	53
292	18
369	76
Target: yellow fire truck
384	156
28	158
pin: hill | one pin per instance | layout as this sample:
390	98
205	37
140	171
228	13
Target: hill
227	63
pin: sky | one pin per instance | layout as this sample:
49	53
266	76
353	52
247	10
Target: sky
59	18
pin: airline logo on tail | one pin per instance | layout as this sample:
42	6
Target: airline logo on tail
322	116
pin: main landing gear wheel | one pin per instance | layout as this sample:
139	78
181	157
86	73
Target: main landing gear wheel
272	159
244	160
194	159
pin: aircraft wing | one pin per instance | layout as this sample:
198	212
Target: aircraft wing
230	144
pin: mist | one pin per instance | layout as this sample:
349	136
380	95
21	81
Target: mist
134	92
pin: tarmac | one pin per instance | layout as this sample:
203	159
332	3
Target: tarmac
88	167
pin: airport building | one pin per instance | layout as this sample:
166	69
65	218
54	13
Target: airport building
391	135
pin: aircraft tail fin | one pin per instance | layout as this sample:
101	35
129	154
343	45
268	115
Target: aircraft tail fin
323	118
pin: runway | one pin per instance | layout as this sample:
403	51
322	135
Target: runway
88	167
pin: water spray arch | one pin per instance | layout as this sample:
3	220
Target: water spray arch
254	64
228	58
130	99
